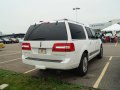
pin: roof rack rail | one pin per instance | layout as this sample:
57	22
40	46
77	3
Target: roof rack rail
68	20
61	20
75	21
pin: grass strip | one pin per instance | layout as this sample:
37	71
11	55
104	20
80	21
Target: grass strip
18	81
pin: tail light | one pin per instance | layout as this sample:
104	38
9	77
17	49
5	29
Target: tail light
63	47
26	46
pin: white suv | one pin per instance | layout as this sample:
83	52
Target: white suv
61	45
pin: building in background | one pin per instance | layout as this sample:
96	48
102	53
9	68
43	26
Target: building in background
99	26
115	21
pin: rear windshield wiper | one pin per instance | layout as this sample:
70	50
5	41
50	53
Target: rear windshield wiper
35	27
40	38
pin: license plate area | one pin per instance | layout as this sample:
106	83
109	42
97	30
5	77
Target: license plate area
42	51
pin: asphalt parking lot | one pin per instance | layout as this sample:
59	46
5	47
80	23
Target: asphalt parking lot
103	73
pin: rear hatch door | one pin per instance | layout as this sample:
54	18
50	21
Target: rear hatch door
43	37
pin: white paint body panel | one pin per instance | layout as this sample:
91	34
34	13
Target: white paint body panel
70	60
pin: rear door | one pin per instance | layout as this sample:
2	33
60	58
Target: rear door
91	43
78	38
42	38
96	40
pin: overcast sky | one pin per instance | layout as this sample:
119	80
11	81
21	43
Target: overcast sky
17	15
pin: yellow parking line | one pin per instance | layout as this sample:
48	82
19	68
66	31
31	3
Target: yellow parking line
102	74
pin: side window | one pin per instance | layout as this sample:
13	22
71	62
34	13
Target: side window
77	31
90	36
93	32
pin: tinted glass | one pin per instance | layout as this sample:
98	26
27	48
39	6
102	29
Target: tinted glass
93	32
89	32
77	31
47	31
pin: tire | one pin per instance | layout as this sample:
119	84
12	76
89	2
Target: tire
100	55
83	66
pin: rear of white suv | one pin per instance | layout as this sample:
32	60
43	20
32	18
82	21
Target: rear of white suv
46	46
58	45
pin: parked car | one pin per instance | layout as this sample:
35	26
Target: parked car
2	45
61	45
1	41
6	41
14	40
20	40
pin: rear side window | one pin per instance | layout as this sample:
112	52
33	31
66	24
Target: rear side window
47	31
91	33
77	31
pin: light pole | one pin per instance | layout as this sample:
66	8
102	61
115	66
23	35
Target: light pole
76	11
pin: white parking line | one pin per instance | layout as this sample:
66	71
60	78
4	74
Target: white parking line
30	71
106	56
109	45
112	56
12	51
10	61
3	86
116	44
9	54
102	74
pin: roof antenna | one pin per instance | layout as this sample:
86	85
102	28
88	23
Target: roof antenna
34	24
65	19
56	22
41	21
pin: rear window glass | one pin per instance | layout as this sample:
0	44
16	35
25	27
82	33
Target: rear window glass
47	31
77	31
